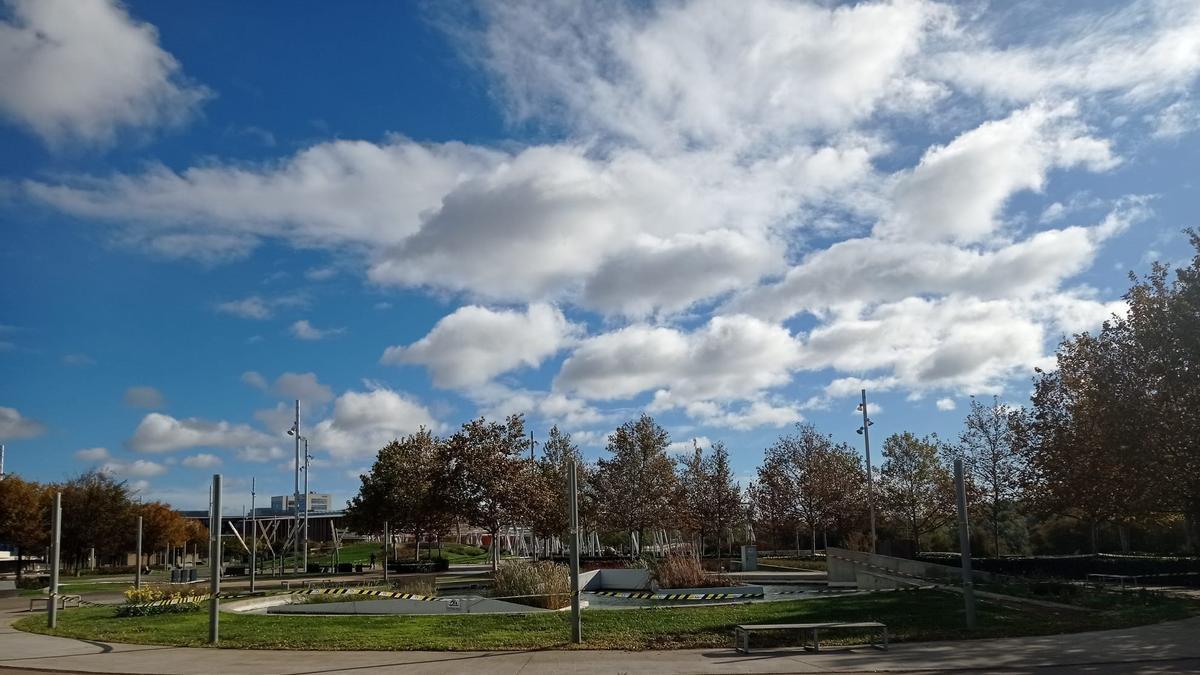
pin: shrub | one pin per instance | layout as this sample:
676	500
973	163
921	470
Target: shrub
423	584
137	599
550	582
684	571
29	583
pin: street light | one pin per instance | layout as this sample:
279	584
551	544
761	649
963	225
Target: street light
306	497
865	432
295	431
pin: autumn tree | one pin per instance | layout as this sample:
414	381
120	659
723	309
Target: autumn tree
549	495
990	454
916	488
819	479
96	513
162	527
722	495
407	487
487	464
24	516
636	484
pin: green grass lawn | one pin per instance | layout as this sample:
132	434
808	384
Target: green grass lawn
360	552
910	616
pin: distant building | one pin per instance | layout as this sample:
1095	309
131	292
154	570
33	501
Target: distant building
320	503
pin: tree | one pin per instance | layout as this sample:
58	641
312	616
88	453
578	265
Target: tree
487	465
636	485
162	527
988	448
915	487
407	487
820	480
722	495
690	509
549	495
96	513
24	516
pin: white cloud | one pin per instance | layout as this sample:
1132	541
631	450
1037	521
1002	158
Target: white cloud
1176	120
82	70
203	460
498	401
957	190
261	454
78	359
303	386
320	273
730	357
474	344
14	426
140	468
259	307
163	433
92	454
687	447
304	330
363	422
946	404
757	413
254	379
144	397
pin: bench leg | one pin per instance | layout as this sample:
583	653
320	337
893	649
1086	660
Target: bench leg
816	641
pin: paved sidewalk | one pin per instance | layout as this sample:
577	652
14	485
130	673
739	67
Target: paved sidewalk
1169	647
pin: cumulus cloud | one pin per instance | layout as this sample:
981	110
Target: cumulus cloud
730	357
946	404
474	344
82	70
144	397
78	359
14	426
203	460
162	433
261	455
92	454
363	422
254	379
304	330
303	386
140	468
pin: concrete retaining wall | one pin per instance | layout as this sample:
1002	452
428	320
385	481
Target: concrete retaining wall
846	567
615	580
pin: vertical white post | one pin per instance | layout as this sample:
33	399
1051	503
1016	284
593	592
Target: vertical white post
55	555
386	548
214	561
253	538
866	432
964	543
137	576
573	534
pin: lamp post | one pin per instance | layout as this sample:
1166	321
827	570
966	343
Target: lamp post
295	431
306	504
865	432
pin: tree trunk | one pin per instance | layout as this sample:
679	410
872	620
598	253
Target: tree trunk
1123	535
416	548
20	565
1095	537
814	541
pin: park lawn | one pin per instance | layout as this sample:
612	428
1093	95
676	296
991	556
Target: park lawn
360	552
910	615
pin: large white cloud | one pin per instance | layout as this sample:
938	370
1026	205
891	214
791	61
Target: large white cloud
162	433
474	344
303	386
82	70
363	422
13	425
730	357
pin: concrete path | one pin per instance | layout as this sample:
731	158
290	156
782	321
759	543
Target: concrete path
1169	647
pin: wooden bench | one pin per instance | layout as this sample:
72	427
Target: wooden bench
62	601
811	633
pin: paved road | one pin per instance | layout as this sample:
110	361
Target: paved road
1162	648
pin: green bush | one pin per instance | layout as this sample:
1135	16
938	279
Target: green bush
550	582
150	610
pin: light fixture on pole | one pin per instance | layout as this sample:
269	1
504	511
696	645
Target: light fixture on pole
295	431
865	432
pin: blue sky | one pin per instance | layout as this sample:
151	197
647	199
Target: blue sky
733	215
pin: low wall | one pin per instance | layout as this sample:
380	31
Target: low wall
845	567
614	580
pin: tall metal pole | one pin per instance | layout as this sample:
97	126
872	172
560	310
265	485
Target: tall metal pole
964	543
866	429
306	504
253	538
1	460
386	548
296	498
215	562
55	553
573	535
137	576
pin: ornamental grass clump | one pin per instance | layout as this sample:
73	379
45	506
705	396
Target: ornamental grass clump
549	583
179	600
677	570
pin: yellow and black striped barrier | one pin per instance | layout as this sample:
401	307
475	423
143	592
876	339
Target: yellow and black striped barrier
364	591
653	595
